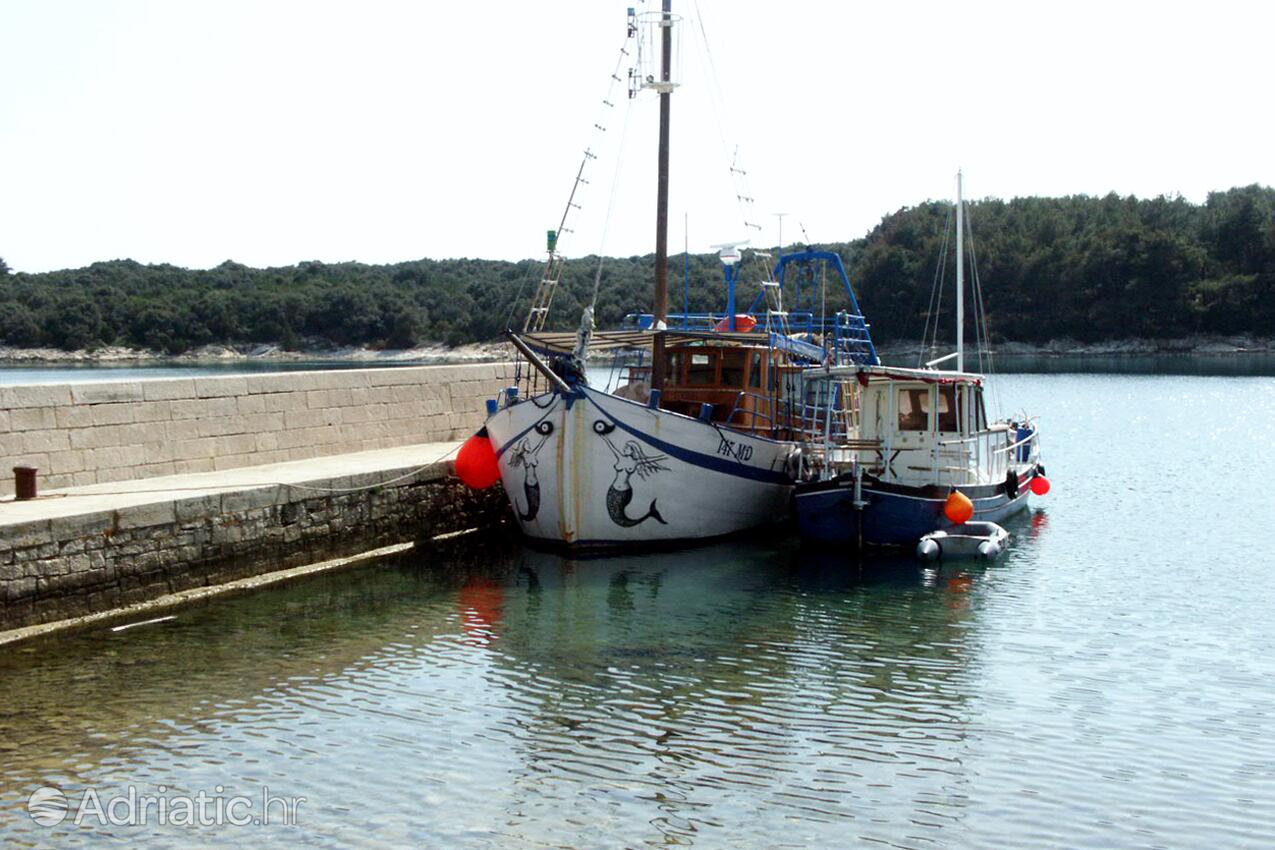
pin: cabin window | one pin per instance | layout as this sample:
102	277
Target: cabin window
673	367
754	371
914	409
702	370
733	368
947	412
980	416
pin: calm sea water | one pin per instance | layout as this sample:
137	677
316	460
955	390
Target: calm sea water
1106	684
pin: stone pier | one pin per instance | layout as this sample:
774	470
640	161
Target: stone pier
157	486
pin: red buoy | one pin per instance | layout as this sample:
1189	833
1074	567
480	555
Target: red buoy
743	323
1040	485
958	508
476	464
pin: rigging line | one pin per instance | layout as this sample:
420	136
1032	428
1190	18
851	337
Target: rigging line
823	303
738	176
934	288
936	291
949	234
599	128
513	305
948	231
980	310
599	125
606	222
805	236
979	331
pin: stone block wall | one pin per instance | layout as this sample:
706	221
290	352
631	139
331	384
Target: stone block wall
90	433
72	566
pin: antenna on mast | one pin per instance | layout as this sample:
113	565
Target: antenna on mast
730	255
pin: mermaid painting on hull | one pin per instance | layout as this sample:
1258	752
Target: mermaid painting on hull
628	460
528	458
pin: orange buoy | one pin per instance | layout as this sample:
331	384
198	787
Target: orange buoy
743	323
476	463
958	508
1040	485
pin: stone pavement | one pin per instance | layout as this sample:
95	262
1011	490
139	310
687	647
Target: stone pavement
356	469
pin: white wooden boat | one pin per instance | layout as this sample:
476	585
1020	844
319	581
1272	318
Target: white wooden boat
704	439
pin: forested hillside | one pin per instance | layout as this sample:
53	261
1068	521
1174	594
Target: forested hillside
1082	267
1087	268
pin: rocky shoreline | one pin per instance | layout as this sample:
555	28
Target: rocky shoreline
120	355
1109	348
492	351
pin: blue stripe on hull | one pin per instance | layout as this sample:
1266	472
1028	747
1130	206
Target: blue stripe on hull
704	461
890	519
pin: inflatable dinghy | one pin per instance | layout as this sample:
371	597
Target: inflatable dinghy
983	540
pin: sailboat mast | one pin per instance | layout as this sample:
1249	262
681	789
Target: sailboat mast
960	277
661	202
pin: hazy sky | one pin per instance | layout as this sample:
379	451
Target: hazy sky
274	132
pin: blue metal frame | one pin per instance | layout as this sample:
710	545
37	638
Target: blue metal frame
847	336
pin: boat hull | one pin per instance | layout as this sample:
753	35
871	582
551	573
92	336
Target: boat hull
589	469
893	515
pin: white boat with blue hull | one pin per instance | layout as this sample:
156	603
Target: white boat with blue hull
887	476
922	435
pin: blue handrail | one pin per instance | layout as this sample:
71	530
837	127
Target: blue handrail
846	337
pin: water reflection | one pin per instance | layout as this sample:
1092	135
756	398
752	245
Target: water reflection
708	684
660	697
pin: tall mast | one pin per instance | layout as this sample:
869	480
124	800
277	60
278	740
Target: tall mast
960	277
661	202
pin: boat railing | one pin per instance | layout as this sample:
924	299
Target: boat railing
999	428
846	336
820	457
761	410
986	456
799	321
1030	439
980	458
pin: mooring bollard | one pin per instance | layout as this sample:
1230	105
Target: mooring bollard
24	483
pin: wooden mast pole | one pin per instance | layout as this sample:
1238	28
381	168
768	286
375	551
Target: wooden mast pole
960	276
661	213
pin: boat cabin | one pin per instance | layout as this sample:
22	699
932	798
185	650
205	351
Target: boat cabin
734	379
922	426
728	383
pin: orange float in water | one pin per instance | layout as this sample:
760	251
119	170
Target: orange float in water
958	508
476	464
1040	485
